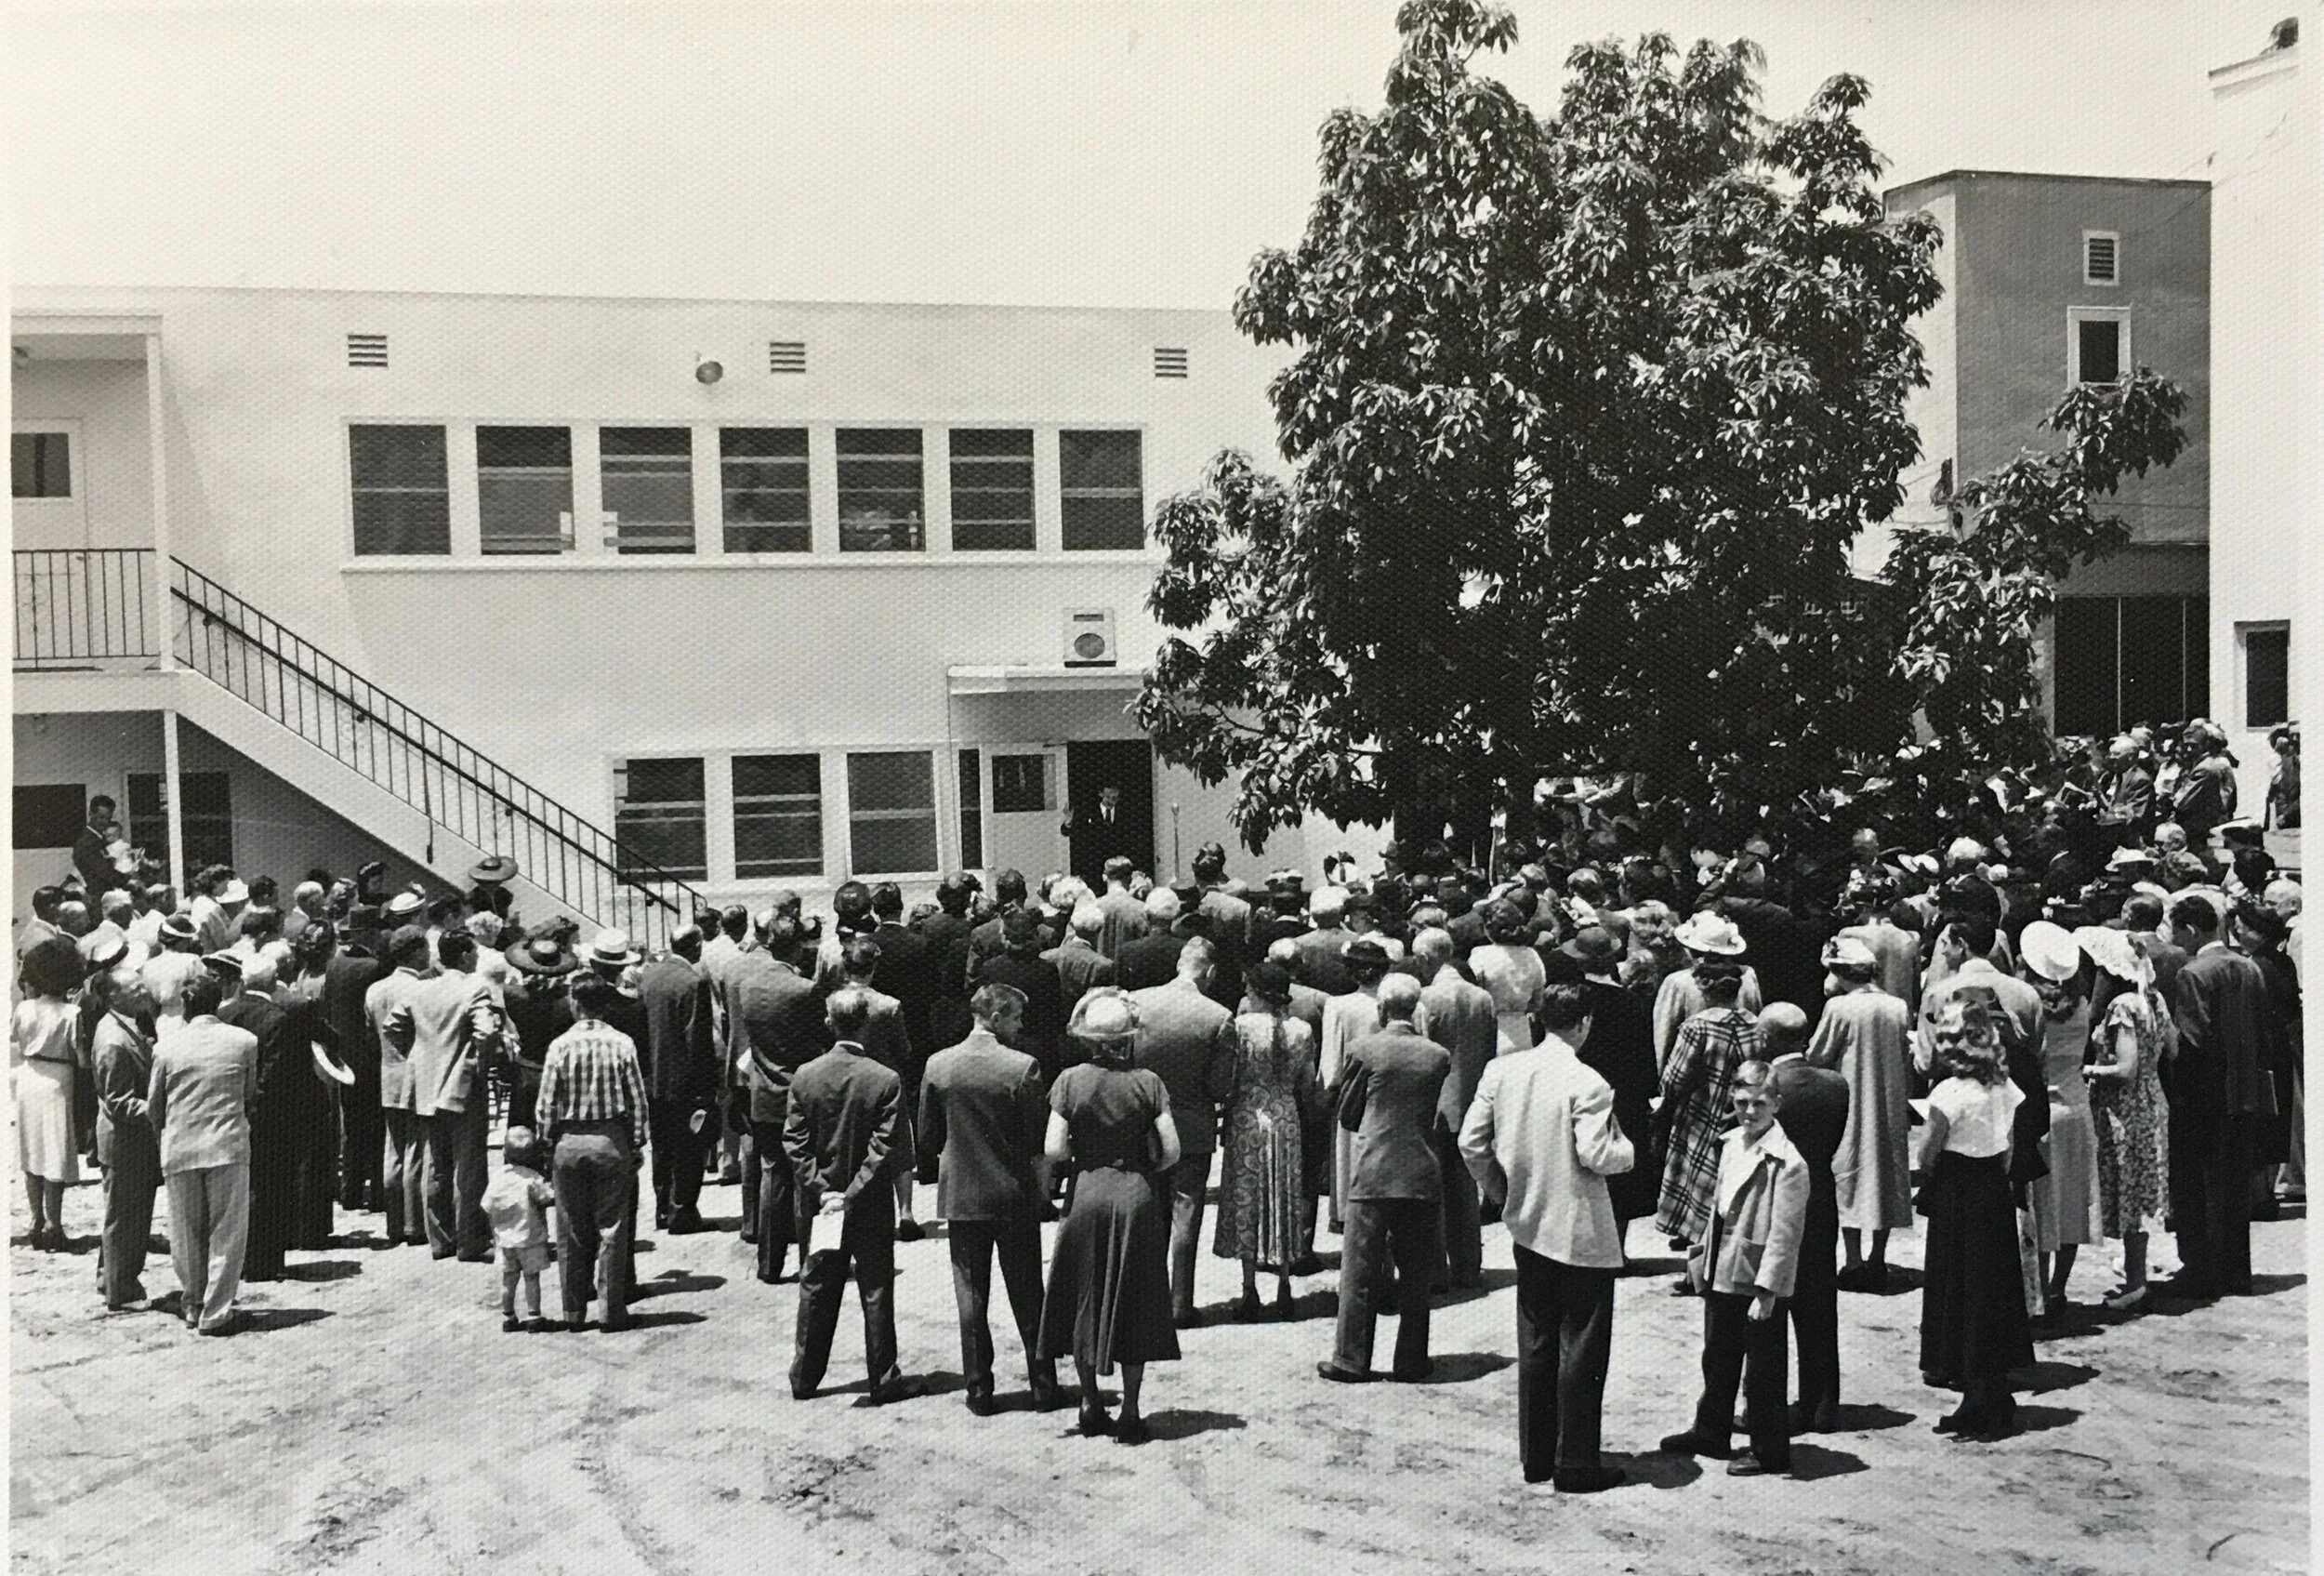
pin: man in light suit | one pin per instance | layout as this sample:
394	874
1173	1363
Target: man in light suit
1389	1091
982	1122
443	1029
1125	916
1540	1139
199	1103
402	1195
1459	1017
1189	1039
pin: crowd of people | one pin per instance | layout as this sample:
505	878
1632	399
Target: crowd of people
2069	1026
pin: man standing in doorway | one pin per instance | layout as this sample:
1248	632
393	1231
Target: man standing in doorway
1098	833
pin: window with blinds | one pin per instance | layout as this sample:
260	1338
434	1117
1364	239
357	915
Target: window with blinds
1101	490
402	490
648	478
659	818
762	475
992	489
891	813
524	489
880	508
778	815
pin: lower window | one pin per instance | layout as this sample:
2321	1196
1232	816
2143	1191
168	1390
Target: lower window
207	818
659	818
891	813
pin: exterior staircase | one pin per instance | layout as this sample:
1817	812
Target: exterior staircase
304	715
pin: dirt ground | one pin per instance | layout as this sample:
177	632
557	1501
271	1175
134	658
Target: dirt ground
375	1419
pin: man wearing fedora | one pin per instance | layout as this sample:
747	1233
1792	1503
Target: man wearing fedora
488	885
538	1011
402	1189
1618	1047
682	1079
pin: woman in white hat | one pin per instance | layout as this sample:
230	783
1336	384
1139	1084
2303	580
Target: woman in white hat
2131	1120
1865	1035
1704	934
1696	1086
2064	1203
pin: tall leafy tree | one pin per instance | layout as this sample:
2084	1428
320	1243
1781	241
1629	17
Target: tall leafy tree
1583	415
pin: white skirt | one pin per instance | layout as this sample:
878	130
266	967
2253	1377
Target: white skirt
44	1120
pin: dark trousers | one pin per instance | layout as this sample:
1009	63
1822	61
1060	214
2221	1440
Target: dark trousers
1190	1183
403	1196
452	1188
867	1246
1463	1227
1733	1340
974	1243
1564	1341
364	1147
597	1197
677	1157
1814	1304
2210	1200
1378	1229
767	1176
130	1184
745	1134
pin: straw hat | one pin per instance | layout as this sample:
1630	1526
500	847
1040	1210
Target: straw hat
2051	951
1711	933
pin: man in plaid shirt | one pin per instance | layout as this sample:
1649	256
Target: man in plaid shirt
592	1110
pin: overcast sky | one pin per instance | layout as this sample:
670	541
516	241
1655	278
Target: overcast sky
1085	154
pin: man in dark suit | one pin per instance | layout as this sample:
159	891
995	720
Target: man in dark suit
1100	833
1323	950
1021	968
1188	1040
776	1026
283	1105
1152	959
1390	1087
1286	902
1459	1017
1081	968
947	931
907	972
1125	915
2220	1091
682	1077
1814	1115
351	972
841	1133
1620	1047
89	857
1230	915
986	941
982	1122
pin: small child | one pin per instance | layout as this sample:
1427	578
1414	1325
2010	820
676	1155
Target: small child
1745	1268
515	1204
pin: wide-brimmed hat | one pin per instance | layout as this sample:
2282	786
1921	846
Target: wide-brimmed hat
2243	829
404	905
1849	952
493	870
2282	731
2114	951
226	965
1594	946
234	892
542	955
178	927
108	952
611	950
328	1066
2129	860
1711	933
2051	951
1105	1015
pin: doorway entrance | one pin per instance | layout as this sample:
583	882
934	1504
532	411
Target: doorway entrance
1126	764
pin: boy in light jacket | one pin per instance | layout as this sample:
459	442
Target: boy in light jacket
1745	1268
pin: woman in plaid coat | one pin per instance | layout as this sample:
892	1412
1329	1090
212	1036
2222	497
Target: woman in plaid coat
1710	1046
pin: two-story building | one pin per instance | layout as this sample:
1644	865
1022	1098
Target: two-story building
2050	281
662	597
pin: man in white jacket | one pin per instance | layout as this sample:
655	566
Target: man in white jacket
1540	1139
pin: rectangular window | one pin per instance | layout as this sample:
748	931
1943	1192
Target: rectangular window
1101	490
971	809
2120	661
763	473
40	465
1020	783
207	818
49	814
524	488
2267	675
778	815
2097	350
891	813
648	487
992	489
880	490
402	490
659	819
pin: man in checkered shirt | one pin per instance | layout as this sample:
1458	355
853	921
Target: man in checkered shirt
592	1111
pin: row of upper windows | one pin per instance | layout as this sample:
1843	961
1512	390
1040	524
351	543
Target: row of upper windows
401	480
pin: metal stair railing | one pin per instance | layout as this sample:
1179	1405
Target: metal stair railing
455	786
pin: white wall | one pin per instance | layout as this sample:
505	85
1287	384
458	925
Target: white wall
113	466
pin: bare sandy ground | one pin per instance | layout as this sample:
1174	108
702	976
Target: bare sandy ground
378	1419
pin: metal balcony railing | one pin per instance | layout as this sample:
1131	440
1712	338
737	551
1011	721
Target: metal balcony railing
81	609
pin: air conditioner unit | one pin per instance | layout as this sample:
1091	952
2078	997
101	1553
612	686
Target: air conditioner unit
1089	636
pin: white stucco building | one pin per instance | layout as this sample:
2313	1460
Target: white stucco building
774	593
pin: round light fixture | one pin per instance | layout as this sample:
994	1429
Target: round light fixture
708	372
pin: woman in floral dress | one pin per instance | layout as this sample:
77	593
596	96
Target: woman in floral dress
1262	1183
2127	1047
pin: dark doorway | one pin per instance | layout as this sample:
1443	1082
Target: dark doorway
1126	764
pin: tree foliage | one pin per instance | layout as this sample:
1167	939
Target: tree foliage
1583	415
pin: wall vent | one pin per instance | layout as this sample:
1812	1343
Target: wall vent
366	350
1169	361
786	356
2100	258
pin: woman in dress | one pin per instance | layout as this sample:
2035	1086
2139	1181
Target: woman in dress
1865	1034
2064	1203
1974	1327
1710	1045
43	1032
2126	1101
1511	969
1262	1183
1109	1283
